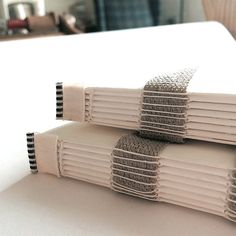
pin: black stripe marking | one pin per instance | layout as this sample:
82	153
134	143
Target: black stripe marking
31	152
59	100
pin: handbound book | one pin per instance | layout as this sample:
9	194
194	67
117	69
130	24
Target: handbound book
193	103
198	175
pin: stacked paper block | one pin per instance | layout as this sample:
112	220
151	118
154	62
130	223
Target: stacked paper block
189	103
198	175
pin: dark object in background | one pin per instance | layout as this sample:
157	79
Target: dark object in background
123	14
67	24
20	10
84	11
155	10
102	15
46	24
43	24
35	24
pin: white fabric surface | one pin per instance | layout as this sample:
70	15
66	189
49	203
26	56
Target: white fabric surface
46	205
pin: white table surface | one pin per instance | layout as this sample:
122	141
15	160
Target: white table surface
45	205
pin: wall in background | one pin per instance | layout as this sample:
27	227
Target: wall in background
1	10
59	6
171	11
193	11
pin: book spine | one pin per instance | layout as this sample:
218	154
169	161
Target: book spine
59	100
31	152
164	106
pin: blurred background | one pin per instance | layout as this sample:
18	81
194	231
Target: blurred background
56	17
99	15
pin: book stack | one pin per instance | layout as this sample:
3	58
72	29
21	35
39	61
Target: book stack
172	140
